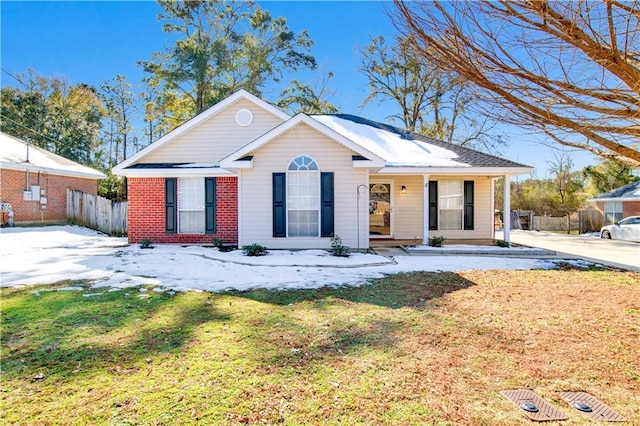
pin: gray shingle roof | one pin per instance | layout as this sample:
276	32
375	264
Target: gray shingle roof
630	190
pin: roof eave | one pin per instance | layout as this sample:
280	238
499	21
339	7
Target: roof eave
174	172
467	171
367	164
52	170
615	199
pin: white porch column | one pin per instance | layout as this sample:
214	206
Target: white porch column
493	207
506	216
425	216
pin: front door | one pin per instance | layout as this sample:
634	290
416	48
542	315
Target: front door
380	209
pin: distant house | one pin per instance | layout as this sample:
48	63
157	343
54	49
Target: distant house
34	181
245	172
619	203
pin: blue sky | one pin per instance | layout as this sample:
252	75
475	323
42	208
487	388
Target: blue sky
91	42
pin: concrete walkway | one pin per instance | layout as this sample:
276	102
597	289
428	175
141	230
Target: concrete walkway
473	248
618	254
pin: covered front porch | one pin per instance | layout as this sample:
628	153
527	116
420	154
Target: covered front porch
408	209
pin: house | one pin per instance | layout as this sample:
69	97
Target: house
245	172
34	182
619	202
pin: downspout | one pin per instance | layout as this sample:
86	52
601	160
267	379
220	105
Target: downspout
27	186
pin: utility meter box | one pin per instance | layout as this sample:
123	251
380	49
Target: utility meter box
26	195
35	192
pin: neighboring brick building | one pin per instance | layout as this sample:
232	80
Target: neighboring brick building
619	202
35	182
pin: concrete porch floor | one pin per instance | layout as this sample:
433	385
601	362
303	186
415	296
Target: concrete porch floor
373	243
475	247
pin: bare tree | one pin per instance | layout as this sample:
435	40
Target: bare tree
567	184
119	99
431	101
570	69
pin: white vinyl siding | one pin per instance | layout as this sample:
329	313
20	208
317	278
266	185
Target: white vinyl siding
408	209
215	138
191	206
482	208
255	207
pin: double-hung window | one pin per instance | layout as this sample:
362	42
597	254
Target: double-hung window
191	206
450	204
612	211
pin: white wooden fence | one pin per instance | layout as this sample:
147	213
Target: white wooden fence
97	213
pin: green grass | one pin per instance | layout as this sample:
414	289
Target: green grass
422	348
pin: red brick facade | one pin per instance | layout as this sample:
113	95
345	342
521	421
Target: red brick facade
146	216
14	182
629	208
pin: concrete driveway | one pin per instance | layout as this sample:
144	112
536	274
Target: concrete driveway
620	254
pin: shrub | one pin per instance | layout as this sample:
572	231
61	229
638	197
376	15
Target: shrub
437	241
146	243
338	249
217	242
254	250
502	243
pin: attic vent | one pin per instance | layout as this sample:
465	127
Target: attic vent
244	117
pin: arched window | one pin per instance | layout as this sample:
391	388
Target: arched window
303	197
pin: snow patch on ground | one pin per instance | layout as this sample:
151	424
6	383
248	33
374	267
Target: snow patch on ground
56	253
461	247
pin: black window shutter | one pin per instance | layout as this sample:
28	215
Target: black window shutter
170	205
433	205
210	205
279	181
468	205
326	204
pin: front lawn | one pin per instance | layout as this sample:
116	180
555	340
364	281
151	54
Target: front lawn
419	348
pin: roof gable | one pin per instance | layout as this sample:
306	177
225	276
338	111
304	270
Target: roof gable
13	155
295	121
152	153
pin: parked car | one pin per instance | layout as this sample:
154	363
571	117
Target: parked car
626	229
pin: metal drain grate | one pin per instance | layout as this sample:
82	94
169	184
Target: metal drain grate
596	410
533	406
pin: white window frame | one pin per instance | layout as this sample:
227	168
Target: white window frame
185	190
301	162
614	209
450	208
